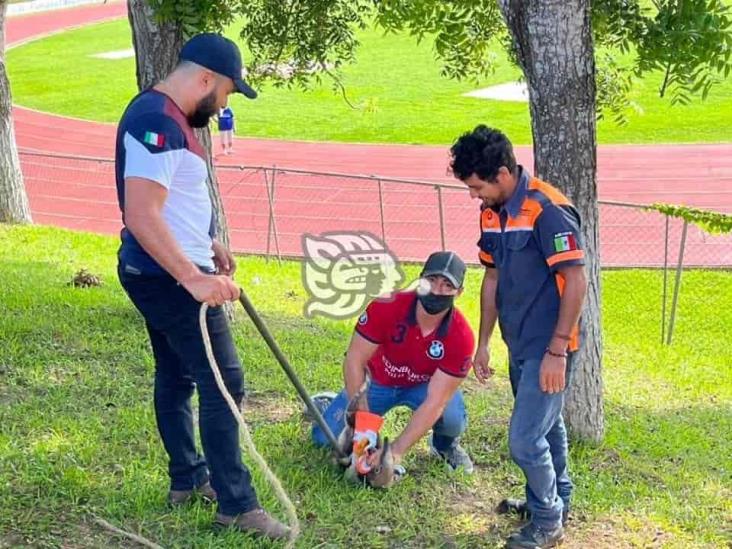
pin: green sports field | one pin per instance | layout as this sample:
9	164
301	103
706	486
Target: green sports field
395	84
78	436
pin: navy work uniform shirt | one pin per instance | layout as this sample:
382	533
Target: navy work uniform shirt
529	239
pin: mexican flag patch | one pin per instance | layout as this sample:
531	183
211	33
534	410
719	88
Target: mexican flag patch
152	138
564	242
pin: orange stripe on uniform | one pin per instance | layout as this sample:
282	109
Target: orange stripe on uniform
485	257
573	343
565	256
489	220
552	193
530	210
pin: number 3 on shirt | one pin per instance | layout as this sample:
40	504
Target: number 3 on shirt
401	332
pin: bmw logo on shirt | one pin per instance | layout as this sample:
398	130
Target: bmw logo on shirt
436	350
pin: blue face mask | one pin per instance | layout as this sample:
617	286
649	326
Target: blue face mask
435	304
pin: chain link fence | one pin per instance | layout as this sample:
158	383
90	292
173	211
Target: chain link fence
270	209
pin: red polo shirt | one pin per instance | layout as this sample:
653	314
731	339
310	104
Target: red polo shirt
405	357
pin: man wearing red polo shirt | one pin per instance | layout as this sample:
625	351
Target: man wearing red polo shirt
417	349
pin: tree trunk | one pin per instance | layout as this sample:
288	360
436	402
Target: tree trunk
14	206
553	42
156	44
3	14
222	228
156	53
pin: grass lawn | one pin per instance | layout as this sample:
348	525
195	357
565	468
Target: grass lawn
395	82
78	436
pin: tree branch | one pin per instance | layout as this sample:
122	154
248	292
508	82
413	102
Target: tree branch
662	91
342	89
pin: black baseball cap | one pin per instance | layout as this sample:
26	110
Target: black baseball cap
446	264
219	54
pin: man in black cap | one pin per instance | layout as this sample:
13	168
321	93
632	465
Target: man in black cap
417	348
170	262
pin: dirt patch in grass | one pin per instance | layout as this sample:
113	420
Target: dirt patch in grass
269	407
65	532
622	532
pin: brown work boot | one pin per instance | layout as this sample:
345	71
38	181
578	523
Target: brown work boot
181	497
256	522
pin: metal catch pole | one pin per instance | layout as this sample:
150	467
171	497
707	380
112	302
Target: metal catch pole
279	355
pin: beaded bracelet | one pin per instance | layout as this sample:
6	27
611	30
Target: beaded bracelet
549	352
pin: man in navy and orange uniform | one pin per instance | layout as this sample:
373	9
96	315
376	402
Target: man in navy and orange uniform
534	284
417	348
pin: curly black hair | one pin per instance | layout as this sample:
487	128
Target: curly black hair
481	152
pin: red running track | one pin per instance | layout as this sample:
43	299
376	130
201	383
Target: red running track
80	194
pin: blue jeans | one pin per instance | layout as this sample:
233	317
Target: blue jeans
171	318
382	398
537	440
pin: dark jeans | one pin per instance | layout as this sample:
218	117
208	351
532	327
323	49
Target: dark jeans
171	317
537	440
381	399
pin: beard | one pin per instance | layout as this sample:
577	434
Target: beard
203	112
495	202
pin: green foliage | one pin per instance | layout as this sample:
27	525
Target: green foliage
614	83
395	83
617	23
464	31
688	41
712	222
308	37
195	16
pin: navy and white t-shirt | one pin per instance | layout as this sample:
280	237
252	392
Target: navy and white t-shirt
155	142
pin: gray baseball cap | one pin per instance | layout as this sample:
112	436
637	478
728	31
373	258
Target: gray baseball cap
447	264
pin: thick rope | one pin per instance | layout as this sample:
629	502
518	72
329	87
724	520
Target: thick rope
134	537
248	442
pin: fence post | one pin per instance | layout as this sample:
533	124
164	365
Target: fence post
665	277
442	216
269	215
675	301
272	226
381	212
